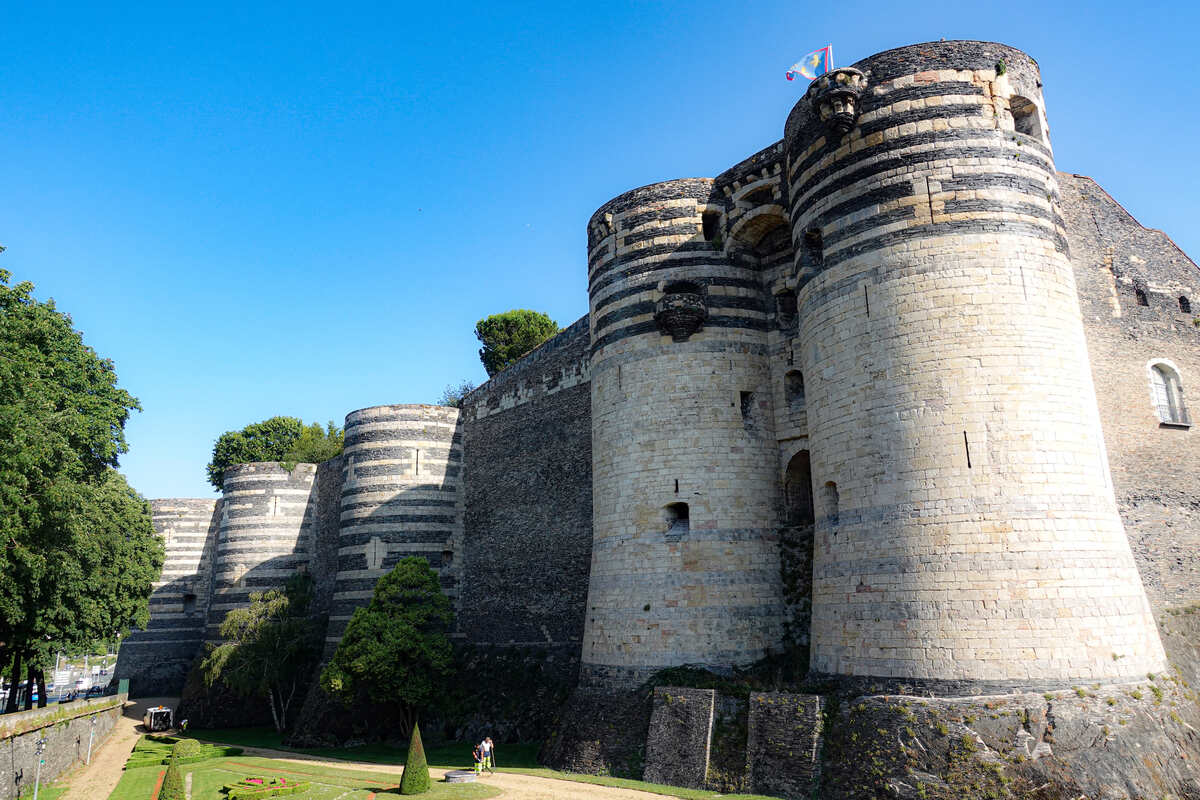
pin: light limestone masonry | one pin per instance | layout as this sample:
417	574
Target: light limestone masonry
966	524
677	422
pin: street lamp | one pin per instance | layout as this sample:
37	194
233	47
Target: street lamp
91	736
37	778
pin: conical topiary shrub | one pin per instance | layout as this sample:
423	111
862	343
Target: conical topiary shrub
415	779
172	786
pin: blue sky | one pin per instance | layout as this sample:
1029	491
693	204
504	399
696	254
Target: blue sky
304	208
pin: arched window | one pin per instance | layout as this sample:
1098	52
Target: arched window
1185	305
1140	295
797	490
793	388
1166	390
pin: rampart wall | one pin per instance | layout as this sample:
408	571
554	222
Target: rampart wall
1119	265
527	436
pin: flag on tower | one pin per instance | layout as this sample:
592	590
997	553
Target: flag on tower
818	62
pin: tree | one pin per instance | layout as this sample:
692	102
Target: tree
415	779
508	336
283	439
395	652
268	648
70	527
453	395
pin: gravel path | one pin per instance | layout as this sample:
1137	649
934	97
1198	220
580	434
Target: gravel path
97	780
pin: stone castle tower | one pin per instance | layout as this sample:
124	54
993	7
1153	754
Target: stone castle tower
881	307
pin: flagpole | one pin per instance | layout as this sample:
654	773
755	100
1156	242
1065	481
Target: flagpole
830	67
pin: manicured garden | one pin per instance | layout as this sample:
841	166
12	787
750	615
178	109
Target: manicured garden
515	758
236	777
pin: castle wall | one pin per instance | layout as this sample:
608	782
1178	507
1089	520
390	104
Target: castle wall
266	534
400	496
678	422
1154	466
527	437
966	528
157	659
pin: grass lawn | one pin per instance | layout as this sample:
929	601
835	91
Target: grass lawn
208	777
45	792
516	758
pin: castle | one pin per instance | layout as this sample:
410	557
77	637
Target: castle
896	347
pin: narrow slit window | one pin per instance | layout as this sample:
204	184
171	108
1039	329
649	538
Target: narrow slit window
814	246
793	387
711	224
189	604
1140	295
830	499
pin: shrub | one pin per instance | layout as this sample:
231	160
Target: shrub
186	747
258	788
172	788
415	779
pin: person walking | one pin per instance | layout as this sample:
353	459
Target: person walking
477	754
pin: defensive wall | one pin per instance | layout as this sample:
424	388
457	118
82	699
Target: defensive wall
891	395
63	731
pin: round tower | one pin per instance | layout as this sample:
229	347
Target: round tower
685	565
400	498
265	533
966	525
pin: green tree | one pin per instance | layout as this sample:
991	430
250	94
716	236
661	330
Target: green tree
453	395
508	336
395	652
284	439
268	647
315	445
415	779
69	524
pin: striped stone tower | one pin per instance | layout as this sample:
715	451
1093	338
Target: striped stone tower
685	567
266	533
156	660
966	525
400	497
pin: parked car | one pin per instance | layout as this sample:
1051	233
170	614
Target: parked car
95	691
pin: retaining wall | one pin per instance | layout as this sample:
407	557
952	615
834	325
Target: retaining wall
66	729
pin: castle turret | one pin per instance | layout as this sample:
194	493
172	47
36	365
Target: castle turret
966	525
685	565
400	498
265	533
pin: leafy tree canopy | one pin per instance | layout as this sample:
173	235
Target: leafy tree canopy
395	651
453	395
77	552
508	336
284	439
268	648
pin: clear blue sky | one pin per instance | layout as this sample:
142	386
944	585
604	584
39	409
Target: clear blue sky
303	209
